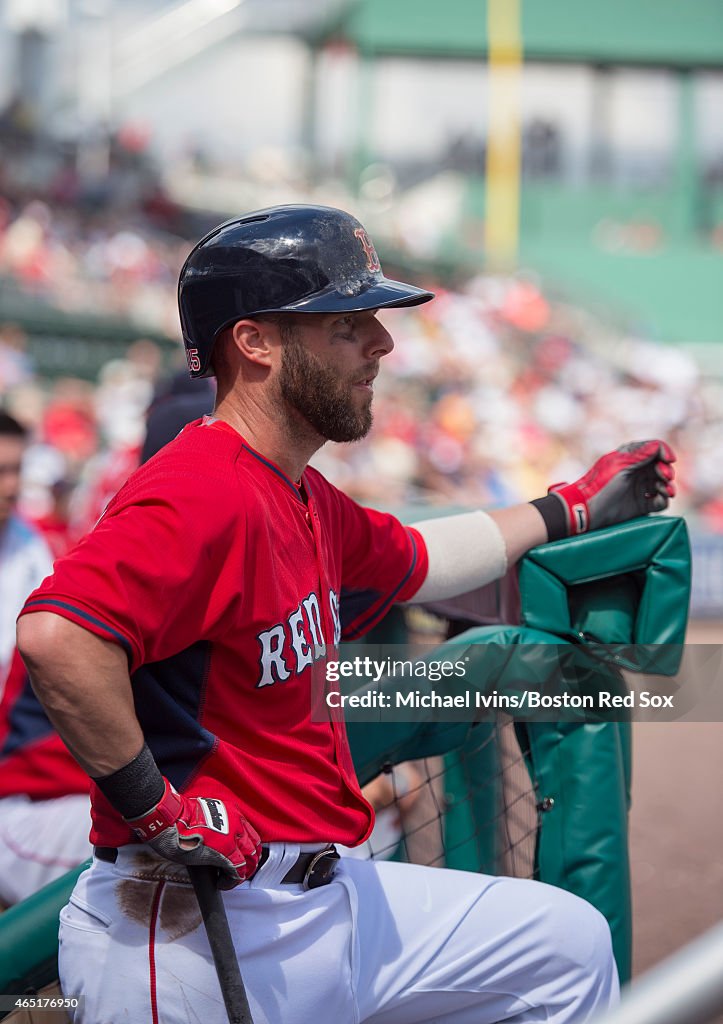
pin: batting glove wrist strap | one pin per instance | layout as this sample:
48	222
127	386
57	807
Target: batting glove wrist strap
632	481
553	510
575	509
201	831
161	816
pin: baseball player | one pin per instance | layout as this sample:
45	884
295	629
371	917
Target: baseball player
176	647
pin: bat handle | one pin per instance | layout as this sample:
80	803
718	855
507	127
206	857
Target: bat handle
213	912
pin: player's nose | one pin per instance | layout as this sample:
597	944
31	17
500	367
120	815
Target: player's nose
380	342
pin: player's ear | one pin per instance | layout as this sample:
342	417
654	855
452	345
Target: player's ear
256	340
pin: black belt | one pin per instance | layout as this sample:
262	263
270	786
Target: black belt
311	870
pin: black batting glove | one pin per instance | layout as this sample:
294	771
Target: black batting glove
632	481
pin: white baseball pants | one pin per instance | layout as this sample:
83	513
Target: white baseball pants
384	943
40	840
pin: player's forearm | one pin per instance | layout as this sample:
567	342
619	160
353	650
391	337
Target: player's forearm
472	549
522	527
84	686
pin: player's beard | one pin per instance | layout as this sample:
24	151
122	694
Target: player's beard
316	393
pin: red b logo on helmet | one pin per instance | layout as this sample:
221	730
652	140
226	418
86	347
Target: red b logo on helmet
373	264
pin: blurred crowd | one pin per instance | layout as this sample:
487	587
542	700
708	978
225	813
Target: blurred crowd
493	391
90	264
490	394
91	230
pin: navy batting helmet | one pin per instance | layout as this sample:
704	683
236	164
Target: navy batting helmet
286	259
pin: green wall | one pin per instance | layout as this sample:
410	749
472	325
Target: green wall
671	32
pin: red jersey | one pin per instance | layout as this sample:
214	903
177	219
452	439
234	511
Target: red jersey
228	586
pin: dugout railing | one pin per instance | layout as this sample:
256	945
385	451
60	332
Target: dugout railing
686	988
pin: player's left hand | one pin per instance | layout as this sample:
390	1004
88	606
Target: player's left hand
201	831
634	480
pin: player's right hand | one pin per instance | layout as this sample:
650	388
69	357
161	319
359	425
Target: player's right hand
632	481
201	831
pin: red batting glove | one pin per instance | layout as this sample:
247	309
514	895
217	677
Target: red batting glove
201	830
631	481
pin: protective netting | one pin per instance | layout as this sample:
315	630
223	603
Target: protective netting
474	808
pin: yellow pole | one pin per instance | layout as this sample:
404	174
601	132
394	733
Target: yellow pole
502	186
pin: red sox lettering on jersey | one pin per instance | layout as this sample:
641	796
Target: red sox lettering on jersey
289	648
228	583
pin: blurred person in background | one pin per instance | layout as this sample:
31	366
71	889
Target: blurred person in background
25	558
178	401
44	803
54	524
15	364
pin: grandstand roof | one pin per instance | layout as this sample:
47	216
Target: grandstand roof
680	33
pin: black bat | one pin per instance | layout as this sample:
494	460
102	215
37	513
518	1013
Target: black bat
205	881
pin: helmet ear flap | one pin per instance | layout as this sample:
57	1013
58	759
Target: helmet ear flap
305	259
193	358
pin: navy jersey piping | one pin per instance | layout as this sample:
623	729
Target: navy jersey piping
272	467
83	615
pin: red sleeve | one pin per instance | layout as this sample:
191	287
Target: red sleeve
146	576
382	562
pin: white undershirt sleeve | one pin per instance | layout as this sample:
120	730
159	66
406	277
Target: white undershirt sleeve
465	552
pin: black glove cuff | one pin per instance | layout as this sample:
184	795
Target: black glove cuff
136	787
554	511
